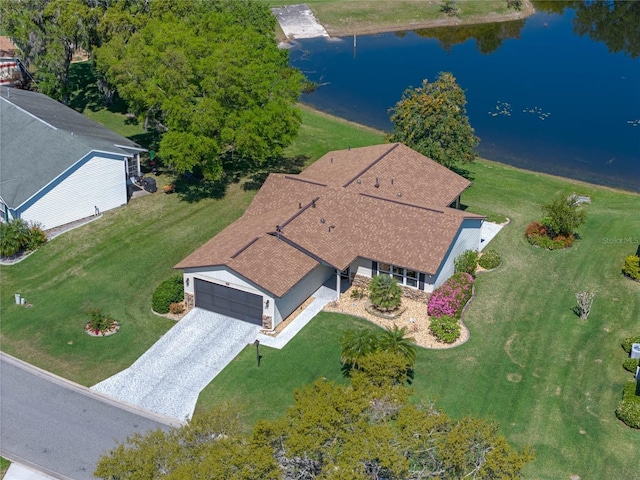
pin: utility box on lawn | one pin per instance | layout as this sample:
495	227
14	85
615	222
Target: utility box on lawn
149	184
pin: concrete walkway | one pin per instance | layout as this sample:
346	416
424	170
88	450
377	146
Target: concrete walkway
322	296
487	232
298	21
168	377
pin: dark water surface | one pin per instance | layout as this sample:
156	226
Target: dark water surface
539	95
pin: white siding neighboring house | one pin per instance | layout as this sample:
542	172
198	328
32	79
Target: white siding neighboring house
57	166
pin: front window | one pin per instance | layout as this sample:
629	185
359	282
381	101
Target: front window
404	276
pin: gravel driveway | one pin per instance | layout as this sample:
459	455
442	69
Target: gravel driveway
168	377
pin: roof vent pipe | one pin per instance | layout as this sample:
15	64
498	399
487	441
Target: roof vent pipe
299	205
392	181
377	185
331	159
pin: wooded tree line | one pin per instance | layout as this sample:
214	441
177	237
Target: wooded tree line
206	74
362	431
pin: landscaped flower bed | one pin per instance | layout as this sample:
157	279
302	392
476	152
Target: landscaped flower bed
446	305
100	325
451	297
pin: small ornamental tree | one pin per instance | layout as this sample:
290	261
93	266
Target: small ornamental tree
563	216
385	293
432	119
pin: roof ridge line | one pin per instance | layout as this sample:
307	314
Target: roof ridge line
300	210
299	179
371	165
245	247
422	207
299	247
29	113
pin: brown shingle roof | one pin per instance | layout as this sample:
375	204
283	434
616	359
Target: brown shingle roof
321	221
397	169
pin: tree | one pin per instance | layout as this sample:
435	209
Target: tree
357	344
363	431
396	341
432	119
563	215
48	32
211	79
384	292
207	448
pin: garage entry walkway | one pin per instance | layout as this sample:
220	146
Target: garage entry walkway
168	377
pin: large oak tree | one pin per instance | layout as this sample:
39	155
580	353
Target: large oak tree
209	77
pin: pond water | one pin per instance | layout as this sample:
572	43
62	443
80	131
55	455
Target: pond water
540	96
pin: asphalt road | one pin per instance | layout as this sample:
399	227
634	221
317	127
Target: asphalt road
58	427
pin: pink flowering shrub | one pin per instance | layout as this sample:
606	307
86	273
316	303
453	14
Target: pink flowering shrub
451	297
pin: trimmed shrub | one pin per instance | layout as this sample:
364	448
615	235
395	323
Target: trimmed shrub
540	235
629	407
446	329
631	364
631	267
37	237
451	297
467	262
176	308
168	292
489	260
628	342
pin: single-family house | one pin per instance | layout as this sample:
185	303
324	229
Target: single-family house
56	165
351	215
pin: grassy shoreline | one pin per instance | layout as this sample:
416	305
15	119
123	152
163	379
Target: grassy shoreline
365	17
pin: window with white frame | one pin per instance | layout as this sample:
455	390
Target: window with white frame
404	276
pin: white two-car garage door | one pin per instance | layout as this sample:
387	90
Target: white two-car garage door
228	301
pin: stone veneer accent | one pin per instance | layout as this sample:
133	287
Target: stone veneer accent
189	301
360	281
267	322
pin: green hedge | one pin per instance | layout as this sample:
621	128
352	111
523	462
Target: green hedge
629	407
631	267
467	262
631	364
168	292
628	342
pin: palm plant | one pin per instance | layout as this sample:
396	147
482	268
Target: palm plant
395	340
357	344
385	293
14	235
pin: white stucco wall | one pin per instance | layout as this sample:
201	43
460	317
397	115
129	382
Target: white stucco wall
467	238
98	182
298	294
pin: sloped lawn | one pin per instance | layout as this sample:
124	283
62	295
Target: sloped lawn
548	378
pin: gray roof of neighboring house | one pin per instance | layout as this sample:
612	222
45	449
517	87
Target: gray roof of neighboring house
41	138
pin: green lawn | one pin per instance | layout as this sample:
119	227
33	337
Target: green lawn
549	379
